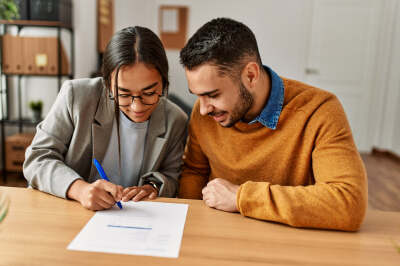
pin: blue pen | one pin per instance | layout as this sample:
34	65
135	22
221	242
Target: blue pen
103	175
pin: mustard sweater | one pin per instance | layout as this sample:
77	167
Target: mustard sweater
306	173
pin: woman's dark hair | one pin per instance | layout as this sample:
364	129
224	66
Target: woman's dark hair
226	43
133	45
130	46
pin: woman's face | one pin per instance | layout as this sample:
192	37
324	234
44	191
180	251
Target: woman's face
137	80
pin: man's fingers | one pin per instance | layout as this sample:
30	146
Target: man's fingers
210	203
205	190
206	195
217	181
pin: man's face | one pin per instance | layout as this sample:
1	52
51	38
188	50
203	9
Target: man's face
134	81
220	97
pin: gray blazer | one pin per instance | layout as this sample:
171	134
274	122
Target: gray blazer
78	128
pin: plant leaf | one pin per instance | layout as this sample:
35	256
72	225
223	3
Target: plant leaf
397	247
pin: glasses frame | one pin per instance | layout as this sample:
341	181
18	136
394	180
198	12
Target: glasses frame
140	98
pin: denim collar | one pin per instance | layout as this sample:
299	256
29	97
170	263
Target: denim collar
271	112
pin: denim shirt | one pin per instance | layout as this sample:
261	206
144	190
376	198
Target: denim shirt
271	112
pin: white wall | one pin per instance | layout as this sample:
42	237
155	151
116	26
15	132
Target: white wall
281	29
386	122
85	33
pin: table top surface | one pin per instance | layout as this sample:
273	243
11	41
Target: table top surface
39	227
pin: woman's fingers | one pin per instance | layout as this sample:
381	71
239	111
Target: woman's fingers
129	193
138	193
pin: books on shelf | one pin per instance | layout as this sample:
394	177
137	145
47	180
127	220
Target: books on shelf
32	55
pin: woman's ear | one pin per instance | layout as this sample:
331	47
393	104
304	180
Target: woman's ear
251	74
111	96
110	93
113	82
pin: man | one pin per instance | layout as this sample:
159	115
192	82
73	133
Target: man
269	147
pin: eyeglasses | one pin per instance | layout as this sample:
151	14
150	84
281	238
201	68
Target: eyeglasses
147	98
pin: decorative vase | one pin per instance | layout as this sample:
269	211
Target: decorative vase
36	116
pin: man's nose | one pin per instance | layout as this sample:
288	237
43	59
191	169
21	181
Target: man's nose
205	107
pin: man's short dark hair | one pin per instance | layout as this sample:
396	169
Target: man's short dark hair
224	42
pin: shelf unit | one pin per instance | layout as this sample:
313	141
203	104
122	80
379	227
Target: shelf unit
21	122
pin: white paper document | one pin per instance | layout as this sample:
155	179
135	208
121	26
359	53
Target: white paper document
140	228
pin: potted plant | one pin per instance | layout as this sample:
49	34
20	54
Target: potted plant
4	205
36	107
9	10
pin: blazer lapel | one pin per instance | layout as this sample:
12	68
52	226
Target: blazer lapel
155	140
101	131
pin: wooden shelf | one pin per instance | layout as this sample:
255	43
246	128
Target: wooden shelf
23	122
16	122
70	76
36	23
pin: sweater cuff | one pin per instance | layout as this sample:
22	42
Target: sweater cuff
251	198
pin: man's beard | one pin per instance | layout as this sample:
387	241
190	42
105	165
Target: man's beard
242	106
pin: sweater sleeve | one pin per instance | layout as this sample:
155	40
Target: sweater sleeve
338	198
196	168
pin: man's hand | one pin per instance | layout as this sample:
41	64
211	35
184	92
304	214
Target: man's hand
138	193
99	195
221	194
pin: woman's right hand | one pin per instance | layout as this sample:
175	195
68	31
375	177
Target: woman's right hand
99	195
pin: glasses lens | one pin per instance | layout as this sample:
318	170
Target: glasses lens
149	98
145	98
125	100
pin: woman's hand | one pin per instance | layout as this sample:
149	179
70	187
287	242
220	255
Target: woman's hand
138	193
99	195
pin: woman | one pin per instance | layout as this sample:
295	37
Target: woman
122	120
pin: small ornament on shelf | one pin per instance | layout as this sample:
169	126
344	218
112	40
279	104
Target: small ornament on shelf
36	107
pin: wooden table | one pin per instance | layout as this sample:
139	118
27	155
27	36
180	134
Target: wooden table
39	227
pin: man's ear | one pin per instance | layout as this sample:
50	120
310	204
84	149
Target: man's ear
251	74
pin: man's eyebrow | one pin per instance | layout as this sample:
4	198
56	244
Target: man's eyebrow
205	93
144	89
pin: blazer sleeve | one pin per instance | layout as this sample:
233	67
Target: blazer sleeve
44	166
